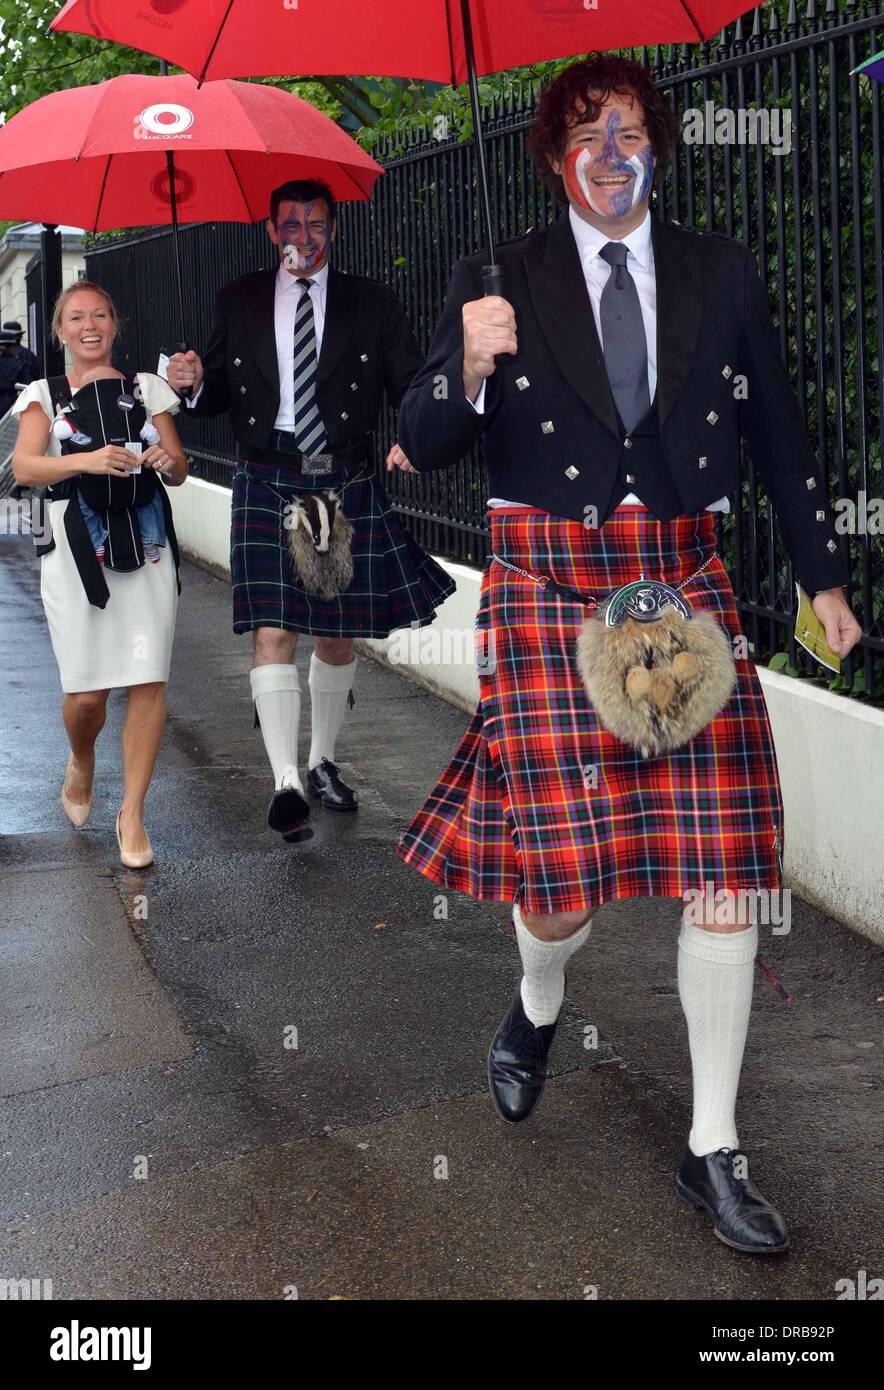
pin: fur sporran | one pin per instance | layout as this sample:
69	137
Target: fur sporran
320	542
656	684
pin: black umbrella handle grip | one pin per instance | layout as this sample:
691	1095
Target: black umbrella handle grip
187	391
492	280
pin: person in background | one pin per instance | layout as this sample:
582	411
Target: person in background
25	356
111	618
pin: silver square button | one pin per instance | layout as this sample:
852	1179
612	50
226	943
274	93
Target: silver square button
354	385
242	390
523	383
821	516
571	472
627	443
344	415
712	417
630	478
727	372
830	545
811	484
548	427
237	361
363	357
252	420
702	462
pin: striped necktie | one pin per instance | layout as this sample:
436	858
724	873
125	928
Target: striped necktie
309	429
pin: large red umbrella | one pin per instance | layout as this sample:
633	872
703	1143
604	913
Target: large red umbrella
138	151
434	40
402	38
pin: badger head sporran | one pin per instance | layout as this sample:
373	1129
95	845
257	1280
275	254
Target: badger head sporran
320	543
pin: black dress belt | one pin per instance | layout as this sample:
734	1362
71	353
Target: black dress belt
348	456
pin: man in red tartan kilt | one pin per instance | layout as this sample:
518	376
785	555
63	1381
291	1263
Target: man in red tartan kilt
612	385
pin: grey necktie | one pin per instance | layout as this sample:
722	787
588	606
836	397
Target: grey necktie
623	338
309	429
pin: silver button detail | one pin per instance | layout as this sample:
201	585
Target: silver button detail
702	462
712	417
523	383
821	516
237	361
242	390
354	385
627	443
344	415
811	484
363	357
252	420
630	478
830	545
548	427
571	472
727	372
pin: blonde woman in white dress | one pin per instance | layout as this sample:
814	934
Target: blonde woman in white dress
128	641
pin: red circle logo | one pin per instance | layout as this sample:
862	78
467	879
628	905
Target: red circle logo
185	187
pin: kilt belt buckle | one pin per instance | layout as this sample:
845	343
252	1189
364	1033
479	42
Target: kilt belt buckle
644	600
315	465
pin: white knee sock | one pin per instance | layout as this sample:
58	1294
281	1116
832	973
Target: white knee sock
715	978
277	698
543	984
329	689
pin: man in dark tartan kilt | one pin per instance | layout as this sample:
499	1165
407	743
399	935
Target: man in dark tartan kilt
301	357
612	384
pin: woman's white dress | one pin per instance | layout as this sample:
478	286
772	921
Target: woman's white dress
129	641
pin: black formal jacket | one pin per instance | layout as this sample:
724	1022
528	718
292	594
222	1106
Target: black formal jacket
549	408
367	347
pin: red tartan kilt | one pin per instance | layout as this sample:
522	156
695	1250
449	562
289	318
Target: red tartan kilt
516	817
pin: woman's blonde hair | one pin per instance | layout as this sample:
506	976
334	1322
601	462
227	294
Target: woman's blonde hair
65	295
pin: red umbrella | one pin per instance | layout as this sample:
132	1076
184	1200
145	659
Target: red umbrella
402	38
140	151
434	40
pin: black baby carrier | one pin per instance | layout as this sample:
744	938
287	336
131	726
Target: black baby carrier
105	412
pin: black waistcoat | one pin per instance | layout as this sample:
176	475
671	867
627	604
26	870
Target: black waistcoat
642	468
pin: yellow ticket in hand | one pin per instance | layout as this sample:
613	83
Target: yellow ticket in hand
811	634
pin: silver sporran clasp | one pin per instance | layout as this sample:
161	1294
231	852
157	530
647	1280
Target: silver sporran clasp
644	600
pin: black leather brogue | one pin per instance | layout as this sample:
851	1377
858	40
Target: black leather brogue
324	781
517	1063
719	1184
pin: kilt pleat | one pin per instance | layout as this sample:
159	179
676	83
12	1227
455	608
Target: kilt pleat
542	805
395	582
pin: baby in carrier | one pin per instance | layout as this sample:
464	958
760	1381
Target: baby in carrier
107	409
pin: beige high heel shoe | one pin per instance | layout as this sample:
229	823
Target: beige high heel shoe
138	859
77	812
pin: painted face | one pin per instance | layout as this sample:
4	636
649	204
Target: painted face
303	233
610	171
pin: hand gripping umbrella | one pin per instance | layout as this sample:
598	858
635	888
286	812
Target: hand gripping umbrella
433	40
142	151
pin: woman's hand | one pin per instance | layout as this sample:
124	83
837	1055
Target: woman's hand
111	459
159	459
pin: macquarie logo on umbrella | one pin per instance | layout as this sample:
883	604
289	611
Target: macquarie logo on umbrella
165	120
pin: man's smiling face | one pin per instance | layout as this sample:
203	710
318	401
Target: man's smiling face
608	165
304	233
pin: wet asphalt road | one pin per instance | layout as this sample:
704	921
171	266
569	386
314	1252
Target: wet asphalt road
162	1137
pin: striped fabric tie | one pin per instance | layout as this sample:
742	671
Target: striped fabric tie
309	429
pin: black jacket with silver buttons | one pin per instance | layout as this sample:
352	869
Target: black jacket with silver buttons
553	438
367	348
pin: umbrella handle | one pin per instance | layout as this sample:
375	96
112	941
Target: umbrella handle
187	391
492	280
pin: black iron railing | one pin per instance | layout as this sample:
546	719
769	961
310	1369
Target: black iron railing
814	218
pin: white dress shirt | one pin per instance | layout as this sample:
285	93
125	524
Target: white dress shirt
596	270
288	296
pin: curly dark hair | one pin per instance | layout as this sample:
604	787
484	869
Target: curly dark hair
590	83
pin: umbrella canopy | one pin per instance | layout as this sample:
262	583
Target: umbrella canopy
399	38
96	157
872	67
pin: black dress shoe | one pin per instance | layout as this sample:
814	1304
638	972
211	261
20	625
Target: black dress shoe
287	814
744	1219
324	781
517	1063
